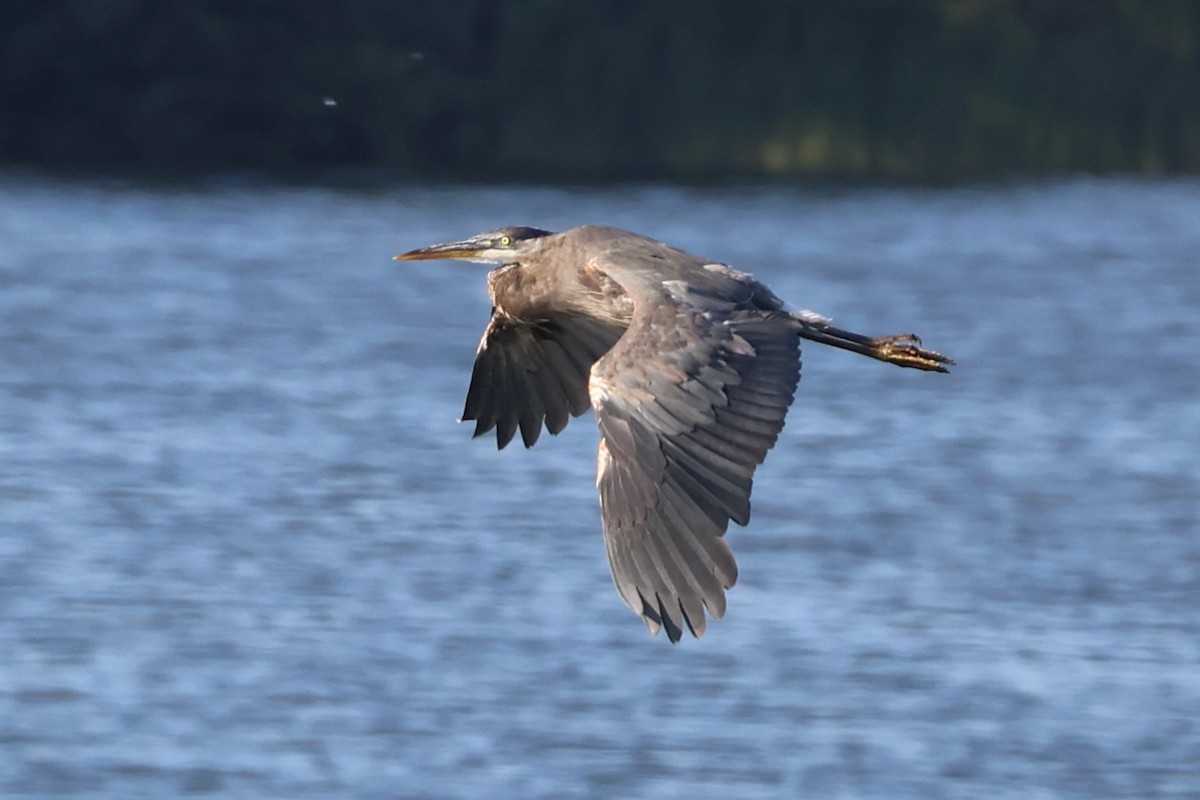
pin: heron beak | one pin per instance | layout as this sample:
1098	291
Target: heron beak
465	249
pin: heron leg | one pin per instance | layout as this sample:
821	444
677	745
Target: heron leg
903	350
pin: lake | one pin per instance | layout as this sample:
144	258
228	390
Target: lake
247	551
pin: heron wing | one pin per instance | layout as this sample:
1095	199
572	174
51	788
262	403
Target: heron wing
528	374
688	403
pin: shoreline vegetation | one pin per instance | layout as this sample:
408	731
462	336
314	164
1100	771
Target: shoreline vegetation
482	91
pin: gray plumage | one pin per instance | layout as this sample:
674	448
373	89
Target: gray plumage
690	367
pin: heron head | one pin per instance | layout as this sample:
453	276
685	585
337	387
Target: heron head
503	246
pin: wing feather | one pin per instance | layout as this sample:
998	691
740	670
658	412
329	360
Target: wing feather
732	492
697	560
568	376
555	403
666	580
688	592
688	403
507	412
533	374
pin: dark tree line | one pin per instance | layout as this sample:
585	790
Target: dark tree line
927	90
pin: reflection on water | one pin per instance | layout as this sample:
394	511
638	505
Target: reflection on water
245	550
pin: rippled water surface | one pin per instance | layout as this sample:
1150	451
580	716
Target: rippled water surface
246	550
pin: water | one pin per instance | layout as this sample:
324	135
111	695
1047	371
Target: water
246	551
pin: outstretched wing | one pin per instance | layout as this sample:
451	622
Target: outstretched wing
527	374
688	403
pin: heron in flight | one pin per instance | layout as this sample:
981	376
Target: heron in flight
690	367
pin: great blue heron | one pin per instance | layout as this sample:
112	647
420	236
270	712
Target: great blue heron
690	367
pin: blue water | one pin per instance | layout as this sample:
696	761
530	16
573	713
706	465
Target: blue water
246	550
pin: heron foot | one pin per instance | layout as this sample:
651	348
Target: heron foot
904	350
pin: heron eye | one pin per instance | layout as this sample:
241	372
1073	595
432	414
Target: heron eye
505	241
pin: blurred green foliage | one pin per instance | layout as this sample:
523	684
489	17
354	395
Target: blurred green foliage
923	90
